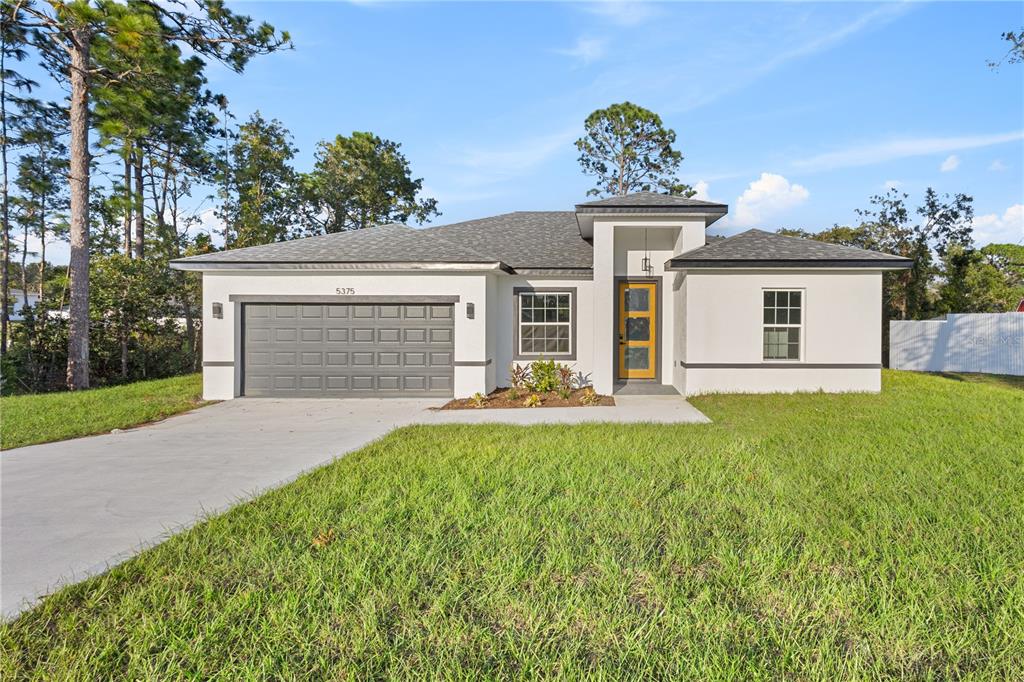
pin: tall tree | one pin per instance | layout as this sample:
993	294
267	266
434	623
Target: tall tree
363	180
628	149
262	205
12	49
69	33
42	170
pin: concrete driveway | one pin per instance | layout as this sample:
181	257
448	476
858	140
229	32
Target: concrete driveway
69	510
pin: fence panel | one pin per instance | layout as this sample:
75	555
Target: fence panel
991	343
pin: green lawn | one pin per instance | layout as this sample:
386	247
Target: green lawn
46	417
797	537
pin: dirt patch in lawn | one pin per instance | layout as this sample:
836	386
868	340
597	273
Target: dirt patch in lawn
504	398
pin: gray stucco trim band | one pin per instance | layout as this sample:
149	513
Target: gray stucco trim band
218	363
473	363
776	365
339	298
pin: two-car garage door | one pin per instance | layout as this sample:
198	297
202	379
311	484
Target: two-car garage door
347	350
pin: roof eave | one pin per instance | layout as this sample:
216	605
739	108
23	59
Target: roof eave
190	265
678	264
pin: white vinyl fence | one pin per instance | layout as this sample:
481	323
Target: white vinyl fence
991	343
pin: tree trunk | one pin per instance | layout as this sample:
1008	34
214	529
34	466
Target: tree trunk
5	284
24	270
127	202
140	213
42	245
78	264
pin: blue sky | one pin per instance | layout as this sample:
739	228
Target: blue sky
793	114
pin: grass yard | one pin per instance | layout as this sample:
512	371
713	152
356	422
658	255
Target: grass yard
797	537
46	417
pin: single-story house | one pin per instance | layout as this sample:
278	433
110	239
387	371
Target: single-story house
628	291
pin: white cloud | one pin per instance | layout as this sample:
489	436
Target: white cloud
867	154
996	229
766	197
997	165
951	163
701	189
623	12
586	50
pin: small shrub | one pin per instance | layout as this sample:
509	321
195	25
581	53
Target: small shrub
564	393
532	400
478	399
519	375
544	375
513	393
590	397
566	379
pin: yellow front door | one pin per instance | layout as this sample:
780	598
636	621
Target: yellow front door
638	330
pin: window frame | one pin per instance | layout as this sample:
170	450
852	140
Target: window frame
517	353
778	325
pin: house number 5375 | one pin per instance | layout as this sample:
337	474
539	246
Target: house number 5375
345	291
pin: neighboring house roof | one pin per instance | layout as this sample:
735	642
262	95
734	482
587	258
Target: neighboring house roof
650	202
757	248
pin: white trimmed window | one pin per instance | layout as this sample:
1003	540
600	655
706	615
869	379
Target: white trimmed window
783	324
545	323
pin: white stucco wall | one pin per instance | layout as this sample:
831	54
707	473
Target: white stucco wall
221	345
841	337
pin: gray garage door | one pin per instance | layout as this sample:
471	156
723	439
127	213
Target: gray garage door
346	351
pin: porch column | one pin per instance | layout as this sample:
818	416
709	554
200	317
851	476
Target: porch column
605	340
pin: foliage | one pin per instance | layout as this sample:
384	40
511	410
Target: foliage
31	419
1015	53
263	202
628	149
360	181
532	400
799	537
566	378
479	399
519	375
590	397
544	376
137	330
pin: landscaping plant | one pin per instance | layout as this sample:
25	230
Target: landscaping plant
532	400
544	376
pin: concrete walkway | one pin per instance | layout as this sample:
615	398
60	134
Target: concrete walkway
69	510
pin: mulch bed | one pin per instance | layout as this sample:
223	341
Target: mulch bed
499	399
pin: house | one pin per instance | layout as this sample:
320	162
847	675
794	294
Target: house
626	290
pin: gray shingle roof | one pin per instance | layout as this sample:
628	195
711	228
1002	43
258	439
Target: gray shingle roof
649	202
757	248
391	243
547	240
525	239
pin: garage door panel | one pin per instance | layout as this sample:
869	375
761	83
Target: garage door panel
440	336
362	335
338	350
337	335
